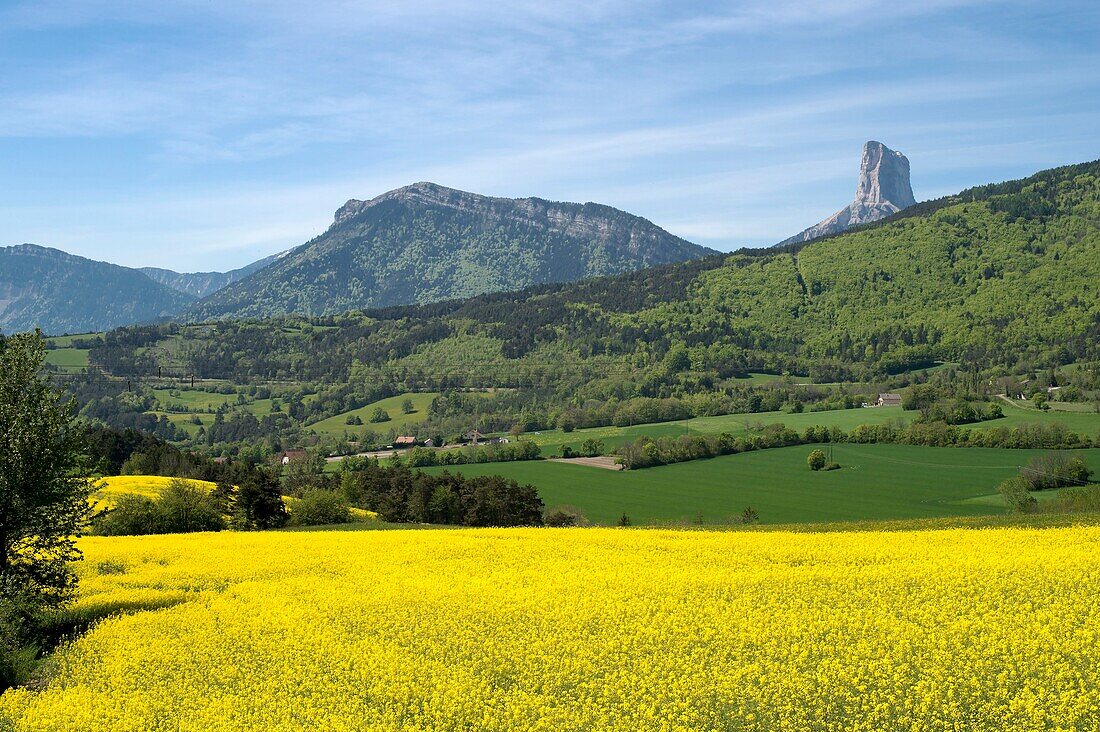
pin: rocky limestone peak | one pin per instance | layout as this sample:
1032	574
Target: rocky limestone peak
883	190
884	177
421	192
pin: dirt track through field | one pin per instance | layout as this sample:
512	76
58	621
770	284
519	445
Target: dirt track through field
605	462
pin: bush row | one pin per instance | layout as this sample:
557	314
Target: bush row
646	452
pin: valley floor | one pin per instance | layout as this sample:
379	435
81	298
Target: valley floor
874	482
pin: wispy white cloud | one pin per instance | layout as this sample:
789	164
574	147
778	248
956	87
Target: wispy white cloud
242	125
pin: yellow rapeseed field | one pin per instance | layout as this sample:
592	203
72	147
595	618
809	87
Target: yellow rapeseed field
593	629
109	489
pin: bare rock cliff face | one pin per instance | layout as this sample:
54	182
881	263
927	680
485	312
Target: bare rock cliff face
883	189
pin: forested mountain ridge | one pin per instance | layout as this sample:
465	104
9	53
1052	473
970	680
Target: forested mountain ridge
201	284
425	243
63	293
995	275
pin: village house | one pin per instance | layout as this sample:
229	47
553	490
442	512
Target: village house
404	441
292	456
474	436
888	400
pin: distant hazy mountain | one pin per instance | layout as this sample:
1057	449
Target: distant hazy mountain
201	284
883	189
425	243
63	293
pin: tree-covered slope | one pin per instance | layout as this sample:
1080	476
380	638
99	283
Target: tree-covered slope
997	275
426	243
62	293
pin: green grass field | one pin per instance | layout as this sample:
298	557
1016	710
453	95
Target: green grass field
551	441
876	482
192	399
1082	422
68	359
338	426
67	341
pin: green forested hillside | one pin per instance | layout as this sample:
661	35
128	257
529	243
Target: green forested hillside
425	243
997	275
63	293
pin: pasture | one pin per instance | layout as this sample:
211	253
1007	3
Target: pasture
874	482
337	426
552	441
68	360
553	629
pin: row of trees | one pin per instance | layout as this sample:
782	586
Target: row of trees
422	457
647	452
1046	472
402	495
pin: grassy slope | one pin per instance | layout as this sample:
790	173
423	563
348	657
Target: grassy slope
337	425
551	441
68	359
876	482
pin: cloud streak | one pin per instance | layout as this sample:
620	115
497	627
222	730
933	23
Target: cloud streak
238	127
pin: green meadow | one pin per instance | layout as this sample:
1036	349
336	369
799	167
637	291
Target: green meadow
875	482
68	359
338	426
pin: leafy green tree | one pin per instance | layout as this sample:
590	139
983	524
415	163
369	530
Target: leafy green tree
44	478
304	475
749	515
1016	495
183	508
816	460
592	448
131	516
624	520
259	501
379	415
320	508
407	406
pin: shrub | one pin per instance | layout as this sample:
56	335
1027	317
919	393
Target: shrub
816	460
1054	470
624	520
831	466
592	448
563	516
183	508
131	516
17	657
749	515
1016	495
320	508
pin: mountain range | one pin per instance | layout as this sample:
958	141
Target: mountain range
420	243
1003	275
427	243
64	293
201	284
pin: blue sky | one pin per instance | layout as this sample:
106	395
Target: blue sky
201	135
